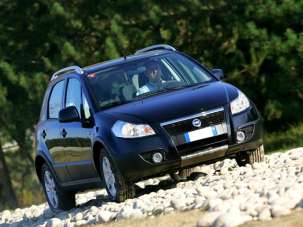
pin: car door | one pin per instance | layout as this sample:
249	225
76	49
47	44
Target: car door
77	136
49	130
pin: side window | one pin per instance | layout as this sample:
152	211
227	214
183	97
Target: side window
86	111
55	100
73	94
44	112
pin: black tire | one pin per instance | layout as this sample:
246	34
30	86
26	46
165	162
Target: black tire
250	157
124	190
66	200
182	175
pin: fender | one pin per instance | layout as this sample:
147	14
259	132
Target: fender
107	148
43	152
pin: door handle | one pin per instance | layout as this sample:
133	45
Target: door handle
43	134
63	133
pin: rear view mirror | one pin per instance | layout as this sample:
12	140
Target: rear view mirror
69	114
218	73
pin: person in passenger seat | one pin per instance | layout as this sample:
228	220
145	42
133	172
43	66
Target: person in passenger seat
153	72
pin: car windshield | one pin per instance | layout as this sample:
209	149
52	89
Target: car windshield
134	80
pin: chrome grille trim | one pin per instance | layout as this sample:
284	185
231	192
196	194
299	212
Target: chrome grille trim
204	152
202	114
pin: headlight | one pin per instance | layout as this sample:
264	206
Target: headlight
129	130
239	104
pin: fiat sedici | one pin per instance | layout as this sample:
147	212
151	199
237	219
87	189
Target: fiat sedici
156	112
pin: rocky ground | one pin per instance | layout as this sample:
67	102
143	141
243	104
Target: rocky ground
226	195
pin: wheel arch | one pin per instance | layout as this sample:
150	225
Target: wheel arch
97	147
40	160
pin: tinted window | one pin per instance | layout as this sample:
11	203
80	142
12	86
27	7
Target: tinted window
73	94
191	71
55	100
43	112
137	79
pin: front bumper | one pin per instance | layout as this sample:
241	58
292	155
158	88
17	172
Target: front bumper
134	159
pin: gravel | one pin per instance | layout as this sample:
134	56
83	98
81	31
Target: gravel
226	194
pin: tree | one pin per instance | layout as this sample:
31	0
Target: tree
7	193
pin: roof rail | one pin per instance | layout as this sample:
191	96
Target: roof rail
155	47
75	68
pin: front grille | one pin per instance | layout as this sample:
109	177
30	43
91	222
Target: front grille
177	128
186	125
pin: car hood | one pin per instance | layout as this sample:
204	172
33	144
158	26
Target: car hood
175	104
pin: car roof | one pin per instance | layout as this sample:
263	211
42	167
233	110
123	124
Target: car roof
110	63
121	60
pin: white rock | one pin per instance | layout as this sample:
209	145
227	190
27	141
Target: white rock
264	215
233	218
81	222
79	216
200	203
206	169
210	194
5	214
93	210
136	213
295	154
54	222
179	204
208	218
144	205
278	210
218	165
104	216
128	212
214	204
168	210
261	191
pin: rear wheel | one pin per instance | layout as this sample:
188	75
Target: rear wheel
251	157
57	198
182	175
116	186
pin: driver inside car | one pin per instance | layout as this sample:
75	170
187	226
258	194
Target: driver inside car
153	72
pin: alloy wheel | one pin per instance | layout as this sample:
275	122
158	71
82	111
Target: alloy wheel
50	188
109	177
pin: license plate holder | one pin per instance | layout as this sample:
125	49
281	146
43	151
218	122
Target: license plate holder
204	133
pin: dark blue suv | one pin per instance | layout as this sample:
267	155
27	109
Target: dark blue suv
152	113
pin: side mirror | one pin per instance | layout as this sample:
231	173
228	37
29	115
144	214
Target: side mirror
218	73
69	114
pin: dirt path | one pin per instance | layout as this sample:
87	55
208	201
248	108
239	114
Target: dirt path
190	218
221	194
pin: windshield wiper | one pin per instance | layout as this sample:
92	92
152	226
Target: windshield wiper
152	93
195	86
113	103
163	90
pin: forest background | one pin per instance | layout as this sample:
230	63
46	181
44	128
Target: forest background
258	44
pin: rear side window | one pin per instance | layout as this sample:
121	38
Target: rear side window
73	94
55	100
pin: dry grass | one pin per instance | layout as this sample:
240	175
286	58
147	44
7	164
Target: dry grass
190	218
295	219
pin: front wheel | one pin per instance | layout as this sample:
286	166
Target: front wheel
117	188
57	199
250	157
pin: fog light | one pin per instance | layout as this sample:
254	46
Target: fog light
157	157
240	136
